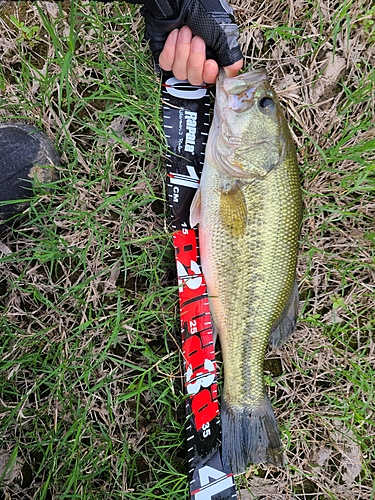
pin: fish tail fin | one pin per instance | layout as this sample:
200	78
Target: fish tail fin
249	435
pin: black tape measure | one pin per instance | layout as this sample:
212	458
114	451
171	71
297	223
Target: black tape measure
186	112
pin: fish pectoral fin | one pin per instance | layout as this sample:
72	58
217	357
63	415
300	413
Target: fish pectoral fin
195	209
233	211
287	321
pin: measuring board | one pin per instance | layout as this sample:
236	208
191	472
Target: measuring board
186	113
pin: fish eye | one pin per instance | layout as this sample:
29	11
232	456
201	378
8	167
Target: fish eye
266	104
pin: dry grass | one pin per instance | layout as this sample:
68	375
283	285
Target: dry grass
321	58
91	401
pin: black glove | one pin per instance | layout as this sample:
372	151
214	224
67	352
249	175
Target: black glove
212	20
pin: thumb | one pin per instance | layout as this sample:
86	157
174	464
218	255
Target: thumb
233	69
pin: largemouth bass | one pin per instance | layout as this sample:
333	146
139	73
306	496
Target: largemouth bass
248	208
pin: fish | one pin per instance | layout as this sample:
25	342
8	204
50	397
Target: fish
248	210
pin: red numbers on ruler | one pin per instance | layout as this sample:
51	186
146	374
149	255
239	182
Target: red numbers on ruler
196	325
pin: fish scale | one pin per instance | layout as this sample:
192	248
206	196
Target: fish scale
248	208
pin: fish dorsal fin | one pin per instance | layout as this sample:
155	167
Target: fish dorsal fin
195	209
287	321
233	211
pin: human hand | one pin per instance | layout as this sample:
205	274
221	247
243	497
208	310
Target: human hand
170	26
185	56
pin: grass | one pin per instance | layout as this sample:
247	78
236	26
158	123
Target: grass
90	382
90	397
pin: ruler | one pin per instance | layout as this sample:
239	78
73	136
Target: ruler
186	119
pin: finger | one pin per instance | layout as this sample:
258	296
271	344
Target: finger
182	53
196	61
233	69
210	72
167	56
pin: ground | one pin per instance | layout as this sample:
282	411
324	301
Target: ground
91	398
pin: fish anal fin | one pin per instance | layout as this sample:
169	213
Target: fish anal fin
214	333
233	211
195	209
287	321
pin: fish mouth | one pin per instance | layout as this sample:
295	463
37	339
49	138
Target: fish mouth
234	96
247	82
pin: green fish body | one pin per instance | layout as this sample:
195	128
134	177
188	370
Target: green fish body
248	208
